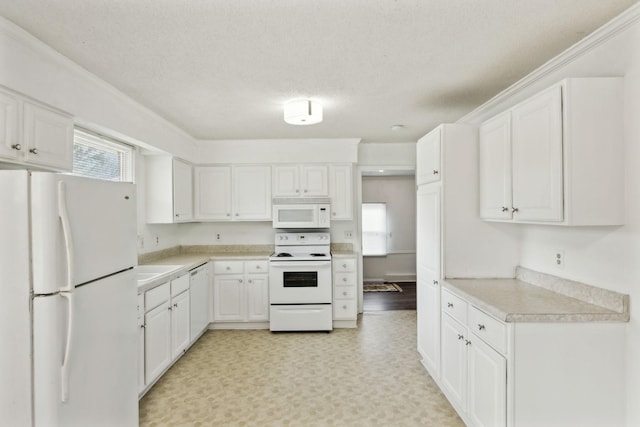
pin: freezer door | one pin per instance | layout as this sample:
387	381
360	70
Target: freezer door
82	229
15	317
93	334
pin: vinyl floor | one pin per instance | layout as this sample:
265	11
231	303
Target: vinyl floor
369	376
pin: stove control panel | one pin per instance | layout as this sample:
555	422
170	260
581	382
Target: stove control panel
301	239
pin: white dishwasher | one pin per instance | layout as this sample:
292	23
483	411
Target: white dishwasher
200	297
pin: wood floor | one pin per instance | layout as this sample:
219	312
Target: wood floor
383	301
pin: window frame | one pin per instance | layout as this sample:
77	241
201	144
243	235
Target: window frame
125	152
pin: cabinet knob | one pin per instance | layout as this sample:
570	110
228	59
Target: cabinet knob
460	337
237	214
239	280
344	307
297	191
480	327
175	305
334	214
435	172
249	281
450	304
514	210
258	267
344	265
177	215
170	308
228	214
344	279
17	147
228	268
33	150
142	326
505	209
344	293
305	190
467	342
435	282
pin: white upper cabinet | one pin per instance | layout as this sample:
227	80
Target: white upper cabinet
556	158
182	191
495	167
251	192
212	189
34	134
169	190
341	192
536	153
300	181
233	193
428	151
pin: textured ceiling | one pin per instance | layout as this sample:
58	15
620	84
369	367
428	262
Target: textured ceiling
223	69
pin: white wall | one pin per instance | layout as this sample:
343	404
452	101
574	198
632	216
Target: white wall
387	154
607	257
399	193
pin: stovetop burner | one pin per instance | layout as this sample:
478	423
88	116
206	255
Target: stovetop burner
284	254
317	254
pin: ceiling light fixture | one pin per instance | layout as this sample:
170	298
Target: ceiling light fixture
302	112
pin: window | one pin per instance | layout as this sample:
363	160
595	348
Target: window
374	229
101	157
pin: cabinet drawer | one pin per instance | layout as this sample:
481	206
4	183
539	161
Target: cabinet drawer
344	279
454	306
228	267
344	292
491	330
257	266
156	296
345	309
344	265
179	284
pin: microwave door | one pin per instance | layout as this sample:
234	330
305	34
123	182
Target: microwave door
296	216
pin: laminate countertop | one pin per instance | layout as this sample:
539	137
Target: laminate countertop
537	297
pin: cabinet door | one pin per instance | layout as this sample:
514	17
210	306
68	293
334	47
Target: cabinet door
180	324
428	157
182	191
252	193
10	147
212	193
314	181
428	322
537	158
341	192
257	297
286	181
428	228
454	361
141	327
48	137
487	405
228	298
495	167
157	341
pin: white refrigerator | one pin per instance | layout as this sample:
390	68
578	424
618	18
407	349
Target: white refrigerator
68	323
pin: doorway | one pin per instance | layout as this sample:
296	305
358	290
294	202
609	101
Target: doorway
391	258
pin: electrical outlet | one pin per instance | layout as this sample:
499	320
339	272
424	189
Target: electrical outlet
157	240
348	235
218	237
559	259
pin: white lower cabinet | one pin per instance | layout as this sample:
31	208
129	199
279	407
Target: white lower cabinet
240	291
164	328
345	291
473	375
428	322
530	374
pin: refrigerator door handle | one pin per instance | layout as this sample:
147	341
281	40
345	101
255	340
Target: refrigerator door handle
66	231
64	369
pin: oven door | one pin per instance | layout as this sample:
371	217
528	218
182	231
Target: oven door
300	282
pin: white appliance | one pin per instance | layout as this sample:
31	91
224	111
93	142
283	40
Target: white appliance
68	321
305	213
300	288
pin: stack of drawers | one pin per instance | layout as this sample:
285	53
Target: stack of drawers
345	301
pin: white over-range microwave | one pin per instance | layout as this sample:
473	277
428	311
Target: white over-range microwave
301	212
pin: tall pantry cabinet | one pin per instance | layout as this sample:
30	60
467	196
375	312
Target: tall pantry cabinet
452	241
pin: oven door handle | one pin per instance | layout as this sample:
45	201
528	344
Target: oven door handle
303	264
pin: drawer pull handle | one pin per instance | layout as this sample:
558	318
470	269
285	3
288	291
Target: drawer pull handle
344	307
175	305
33	150
170	308
344	279
480	327
257	267
435	172
514	210
228	268
504	209
467	342
450	304
17	147
460	337
344	293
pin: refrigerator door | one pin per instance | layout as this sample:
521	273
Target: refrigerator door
15	317
82	230
92	332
